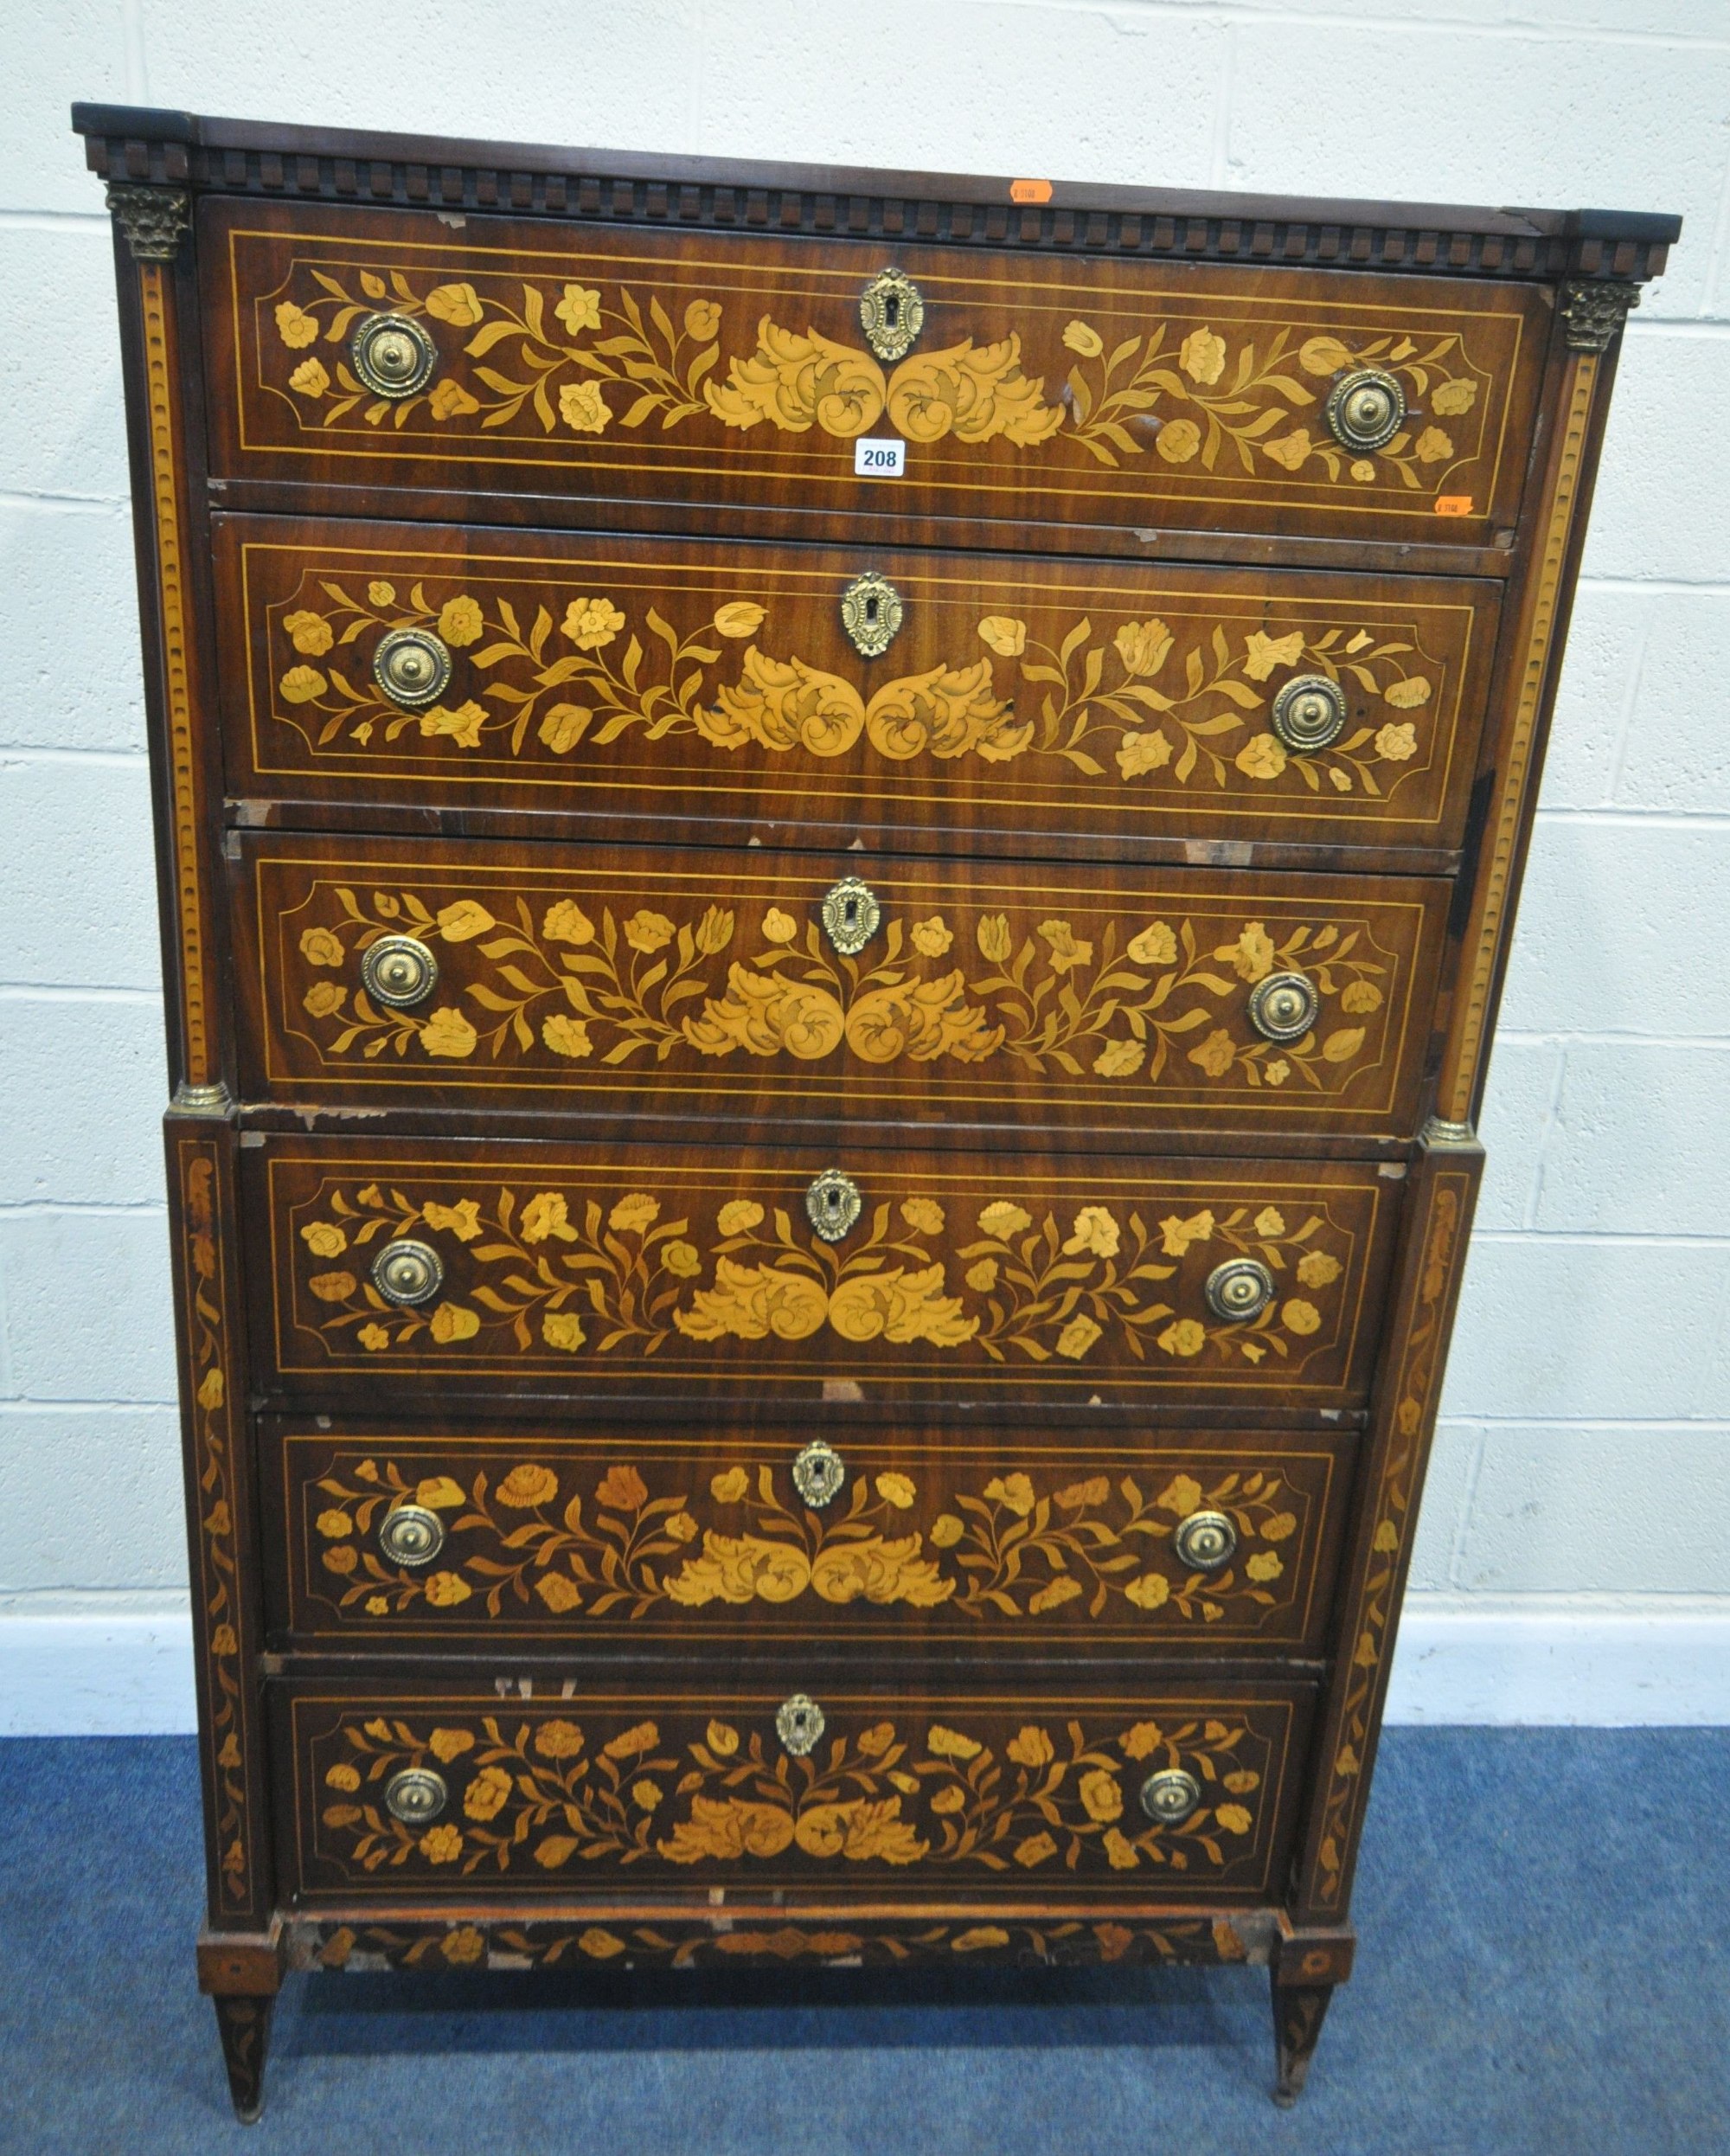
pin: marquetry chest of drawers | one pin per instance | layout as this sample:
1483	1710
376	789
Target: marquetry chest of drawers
836	849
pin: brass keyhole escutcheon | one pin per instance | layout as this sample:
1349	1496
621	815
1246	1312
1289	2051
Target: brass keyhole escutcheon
1239	1290
1285	1006
833	1204
1365	408
412	667
851	916
393	355
408	1272
891	313
798	1723
398	972
871	613
818	1473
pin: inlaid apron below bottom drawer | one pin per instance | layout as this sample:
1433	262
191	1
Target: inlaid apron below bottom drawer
393	1269
687	1792
397	1540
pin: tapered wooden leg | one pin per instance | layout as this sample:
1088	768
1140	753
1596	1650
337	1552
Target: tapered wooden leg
1298	2013
244	2025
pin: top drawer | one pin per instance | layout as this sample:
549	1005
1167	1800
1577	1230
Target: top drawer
689	369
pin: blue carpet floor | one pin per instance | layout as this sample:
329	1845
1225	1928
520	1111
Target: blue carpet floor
1544	1966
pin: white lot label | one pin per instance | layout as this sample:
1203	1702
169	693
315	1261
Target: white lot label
885	459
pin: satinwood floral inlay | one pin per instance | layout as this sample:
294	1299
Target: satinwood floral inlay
545	1794
541	1539
564	1274
1124	701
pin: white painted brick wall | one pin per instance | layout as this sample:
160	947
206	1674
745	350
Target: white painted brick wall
1571	1562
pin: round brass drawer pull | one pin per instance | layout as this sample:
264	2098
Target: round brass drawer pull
1171	1796
850	916
871	610
891	313
798	1723
1284	1007
818	1473
1309	712
398	972
393	355
408	1272
833	1203
1365	408
415	1796
1240	1289
1207	1541
412	667
414	1535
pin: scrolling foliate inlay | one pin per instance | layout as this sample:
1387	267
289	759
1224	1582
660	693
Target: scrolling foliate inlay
569	360
227	1732
1125	702
1070	994
679	1943
534	1797
532	1543
563	1277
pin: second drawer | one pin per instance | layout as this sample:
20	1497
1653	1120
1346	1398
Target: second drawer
735	984
398	1538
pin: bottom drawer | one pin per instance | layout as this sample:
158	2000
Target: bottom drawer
731	1790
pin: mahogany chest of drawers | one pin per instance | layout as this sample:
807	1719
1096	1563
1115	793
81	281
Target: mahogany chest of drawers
836	849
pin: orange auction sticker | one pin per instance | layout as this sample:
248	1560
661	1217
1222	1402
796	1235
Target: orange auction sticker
1030	190
1453	505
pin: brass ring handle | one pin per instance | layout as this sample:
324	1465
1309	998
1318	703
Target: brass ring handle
1365	408
1309	712
833	1204
415	1796
798	1723
408	1272
871	613
412	667
1283	1006
398	972
1207	1541
891	313
851	916
412	1534
393	355
1239	1290
1171	1796
818	1473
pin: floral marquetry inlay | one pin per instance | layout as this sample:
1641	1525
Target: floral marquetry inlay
546	1540
1194	393
568	981
1121	700
544	1796
579	1270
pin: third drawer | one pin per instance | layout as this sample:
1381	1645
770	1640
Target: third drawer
428	974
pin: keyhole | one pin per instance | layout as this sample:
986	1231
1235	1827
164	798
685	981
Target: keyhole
871	613
852	912
892	310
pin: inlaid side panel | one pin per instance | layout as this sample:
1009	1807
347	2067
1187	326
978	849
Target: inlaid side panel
687	368
659	678
742	983
651	1272
406	1539
986	1797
